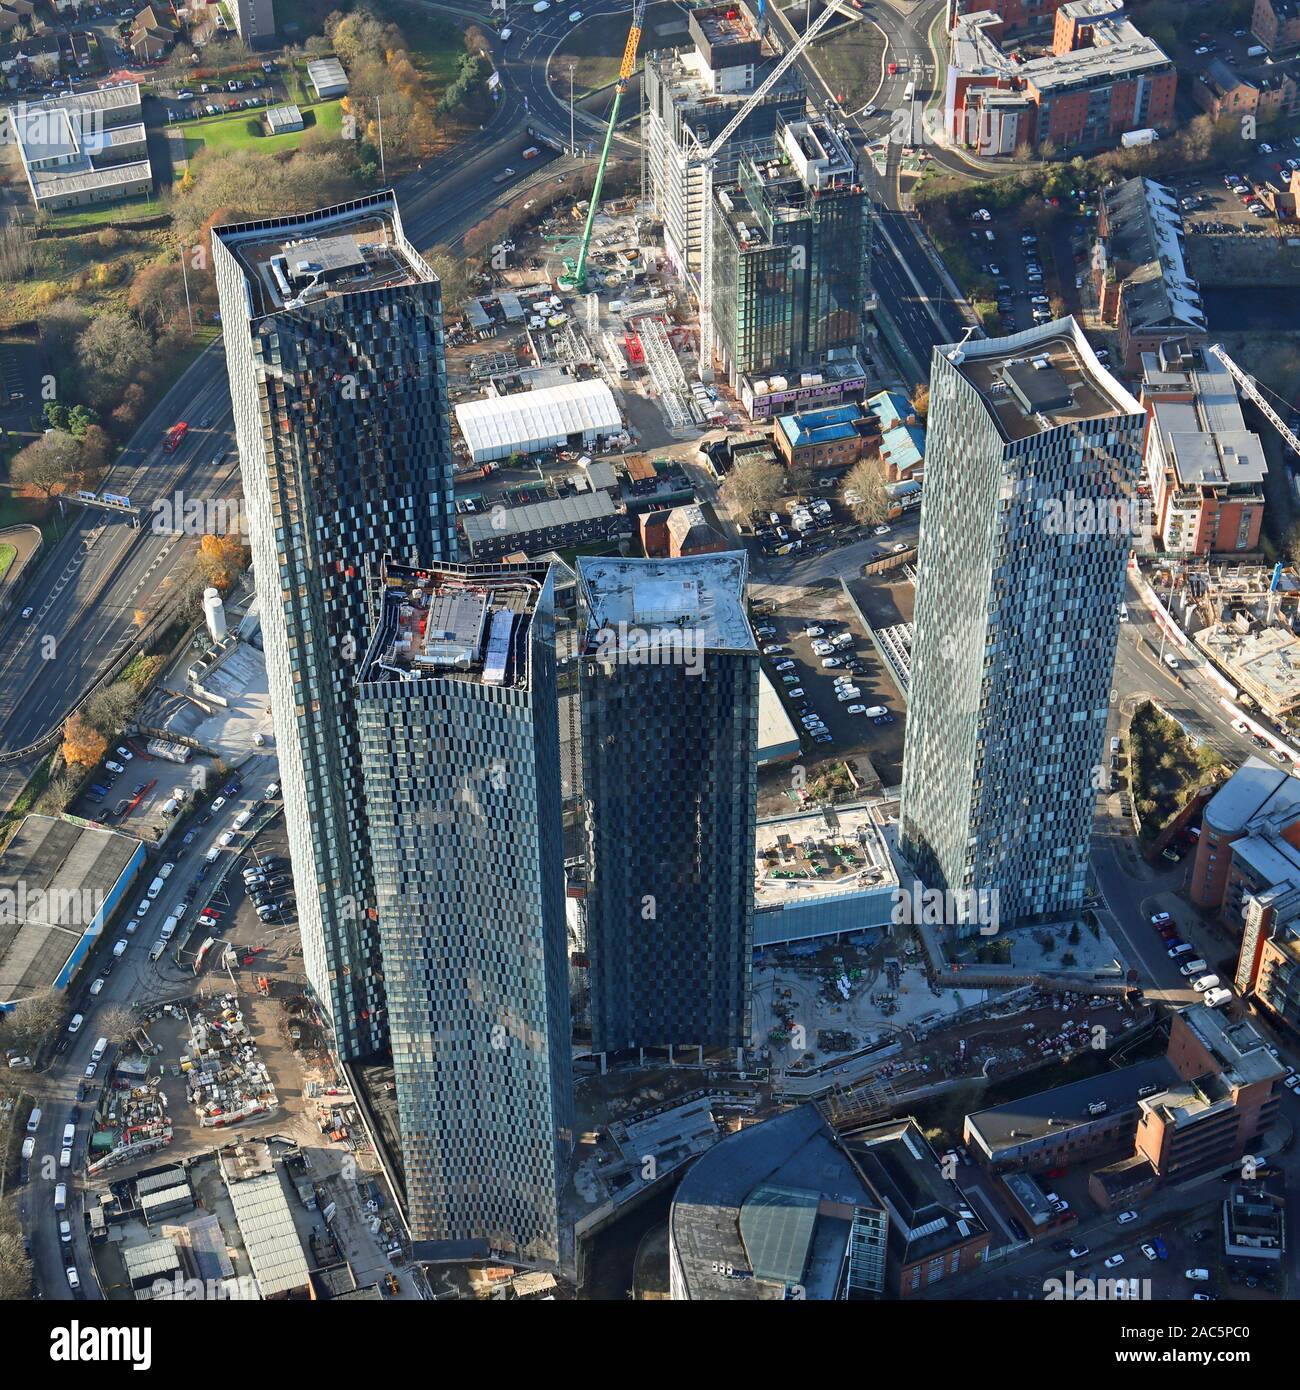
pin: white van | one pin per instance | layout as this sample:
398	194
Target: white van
158	948
1217	998
1206	982
61	1197
118	949
156	887
101	1047
213	854
166	871
242	819
69	1134
169	929
1194	967
34	1120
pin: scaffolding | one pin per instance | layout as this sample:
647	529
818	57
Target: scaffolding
666	372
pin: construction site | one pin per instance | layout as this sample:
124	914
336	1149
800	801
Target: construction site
605	325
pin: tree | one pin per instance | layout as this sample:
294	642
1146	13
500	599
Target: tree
34	1020
454	272
109	710
113	352
48	465
15	1263
116	1024
82	743
752	487
221	560
921	401
866	482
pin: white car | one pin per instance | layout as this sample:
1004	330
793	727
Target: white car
877	710
881	530
97	986
795	692
143	906
1126	1216
65	1158
784	665
829	661
1240	726
575	16
1198	1276
226	839
541	6
125	754
856	709
1292	1083
821	648
1149	1251
1114	1262
73	1281
114	767
65	1232
218	804
814	631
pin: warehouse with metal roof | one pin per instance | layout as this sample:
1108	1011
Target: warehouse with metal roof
60	881
270	1238
577	416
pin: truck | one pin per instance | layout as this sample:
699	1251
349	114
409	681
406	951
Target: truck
1256	50
474	475
1131	139
531	152
178	431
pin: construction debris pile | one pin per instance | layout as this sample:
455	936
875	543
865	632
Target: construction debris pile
132	1121
226	1080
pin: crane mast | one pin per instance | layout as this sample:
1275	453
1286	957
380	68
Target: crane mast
574	277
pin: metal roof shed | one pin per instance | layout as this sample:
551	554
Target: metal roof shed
580	411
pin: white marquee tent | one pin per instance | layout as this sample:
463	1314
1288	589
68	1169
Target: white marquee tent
578	413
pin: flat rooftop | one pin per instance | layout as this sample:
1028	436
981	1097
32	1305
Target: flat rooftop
354	247
467	622
819	854
1238	1047
703	594
1066	1107
1038	379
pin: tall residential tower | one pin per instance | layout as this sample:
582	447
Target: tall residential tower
334	347
1032	459
668	672
460	738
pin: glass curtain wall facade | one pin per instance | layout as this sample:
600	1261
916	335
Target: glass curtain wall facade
341	418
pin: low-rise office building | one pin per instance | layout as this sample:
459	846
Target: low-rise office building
84	148
585	519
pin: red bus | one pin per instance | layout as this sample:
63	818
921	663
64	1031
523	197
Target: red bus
174	436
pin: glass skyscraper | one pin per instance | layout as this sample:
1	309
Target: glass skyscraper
1032	458
334	348
460	738
668	673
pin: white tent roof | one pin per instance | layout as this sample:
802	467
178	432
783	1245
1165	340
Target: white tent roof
535	419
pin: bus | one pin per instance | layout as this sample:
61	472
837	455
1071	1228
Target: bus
174	436
909	92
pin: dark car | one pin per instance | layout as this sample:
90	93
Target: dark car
188	838
120	808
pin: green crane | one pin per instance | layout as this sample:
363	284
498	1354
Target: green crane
574	277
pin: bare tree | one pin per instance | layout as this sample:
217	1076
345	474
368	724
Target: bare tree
750	487
15	1263
34	1020
870	502
49	464
117	1024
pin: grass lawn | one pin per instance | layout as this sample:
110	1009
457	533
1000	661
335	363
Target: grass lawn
596	46
7	554
244	129
849	60
106	216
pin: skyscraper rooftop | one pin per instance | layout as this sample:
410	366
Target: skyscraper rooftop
703	593
449	621
1039	379
290	261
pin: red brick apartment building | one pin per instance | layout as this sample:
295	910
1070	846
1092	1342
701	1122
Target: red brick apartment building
1276	24
1102	78
1204	467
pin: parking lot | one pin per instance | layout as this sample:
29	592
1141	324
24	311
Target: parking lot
808	686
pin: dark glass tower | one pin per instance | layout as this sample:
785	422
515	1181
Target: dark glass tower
460	738
334	348
668	675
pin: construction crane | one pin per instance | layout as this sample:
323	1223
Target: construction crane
1248	386
574	276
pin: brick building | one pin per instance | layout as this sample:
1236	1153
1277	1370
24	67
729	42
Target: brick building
1204	467
1102	78
1276	24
